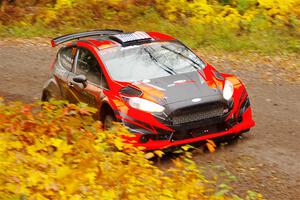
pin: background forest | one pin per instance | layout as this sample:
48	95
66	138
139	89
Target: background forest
254	25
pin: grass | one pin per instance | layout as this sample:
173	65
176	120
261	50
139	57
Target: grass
267	41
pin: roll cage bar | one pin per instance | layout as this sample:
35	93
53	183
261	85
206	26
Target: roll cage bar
69	37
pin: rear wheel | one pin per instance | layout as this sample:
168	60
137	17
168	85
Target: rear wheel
48	95
45	97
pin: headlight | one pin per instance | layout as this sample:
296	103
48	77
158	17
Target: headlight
228	90
145	105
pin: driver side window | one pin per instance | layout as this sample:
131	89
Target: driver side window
88	65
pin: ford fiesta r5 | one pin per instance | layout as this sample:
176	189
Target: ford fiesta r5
150	82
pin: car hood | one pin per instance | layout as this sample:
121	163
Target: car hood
179	88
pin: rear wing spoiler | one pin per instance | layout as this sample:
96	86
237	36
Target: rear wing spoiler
69	37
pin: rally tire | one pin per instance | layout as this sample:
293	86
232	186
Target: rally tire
108	121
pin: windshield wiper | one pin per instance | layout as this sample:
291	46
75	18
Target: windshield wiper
162	66
184	56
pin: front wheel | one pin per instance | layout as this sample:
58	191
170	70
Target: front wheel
108	121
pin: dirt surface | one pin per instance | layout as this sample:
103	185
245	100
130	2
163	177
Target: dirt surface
266	160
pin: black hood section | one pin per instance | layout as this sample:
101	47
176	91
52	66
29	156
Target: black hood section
183	87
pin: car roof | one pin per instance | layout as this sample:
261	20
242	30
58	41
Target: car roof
107	41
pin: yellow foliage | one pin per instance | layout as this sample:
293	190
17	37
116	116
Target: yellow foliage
60	152
85	12
204	12
211	146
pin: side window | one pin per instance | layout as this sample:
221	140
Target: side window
88	65
66	57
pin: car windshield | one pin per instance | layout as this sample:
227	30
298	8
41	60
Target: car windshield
149	61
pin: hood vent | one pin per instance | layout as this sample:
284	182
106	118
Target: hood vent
131	91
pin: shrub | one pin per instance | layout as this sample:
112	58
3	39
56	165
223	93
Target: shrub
60	152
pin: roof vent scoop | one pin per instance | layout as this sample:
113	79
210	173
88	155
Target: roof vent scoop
135	38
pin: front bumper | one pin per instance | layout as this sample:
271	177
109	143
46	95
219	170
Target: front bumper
245	124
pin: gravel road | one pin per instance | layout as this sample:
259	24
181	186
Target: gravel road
266	160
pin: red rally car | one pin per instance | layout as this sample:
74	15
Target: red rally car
150	82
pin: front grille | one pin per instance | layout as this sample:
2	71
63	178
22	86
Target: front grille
197	113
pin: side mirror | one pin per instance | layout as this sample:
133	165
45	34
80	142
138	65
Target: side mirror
80	79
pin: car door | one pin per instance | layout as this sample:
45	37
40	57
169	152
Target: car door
63	68
91	93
